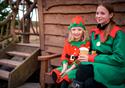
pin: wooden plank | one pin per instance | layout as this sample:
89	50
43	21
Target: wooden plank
28	44
56	29
10	63
42	73
18	58
88	18
20	74
89	27
72	9
53	49
115	1
54	40
4	74
51	3
119	7
23	48
87	8
119	18
18	53
48	79
26	33
65	19
56	62
61	30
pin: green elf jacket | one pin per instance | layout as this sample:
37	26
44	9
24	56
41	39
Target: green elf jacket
109	62
70	49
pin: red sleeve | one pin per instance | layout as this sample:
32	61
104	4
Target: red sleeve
91	57
87	44
64	51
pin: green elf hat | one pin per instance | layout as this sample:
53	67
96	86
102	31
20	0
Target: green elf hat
77	22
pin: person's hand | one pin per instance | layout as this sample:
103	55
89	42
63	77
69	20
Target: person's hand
83	58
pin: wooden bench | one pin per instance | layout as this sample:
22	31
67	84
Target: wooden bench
47	61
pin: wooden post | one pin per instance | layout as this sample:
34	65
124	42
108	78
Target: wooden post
26	25
41	25
43	70
41	37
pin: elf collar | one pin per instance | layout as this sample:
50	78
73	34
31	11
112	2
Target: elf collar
77	43
101	33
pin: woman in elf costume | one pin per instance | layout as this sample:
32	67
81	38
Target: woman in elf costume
105	68
76	40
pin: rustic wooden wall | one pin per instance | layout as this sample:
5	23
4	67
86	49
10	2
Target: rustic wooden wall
56	15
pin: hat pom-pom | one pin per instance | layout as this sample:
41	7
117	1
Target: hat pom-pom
77	20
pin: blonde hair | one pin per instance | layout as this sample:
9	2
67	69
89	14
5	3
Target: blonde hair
71	38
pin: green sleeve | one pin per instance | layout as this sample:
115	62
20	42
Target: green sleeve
118	50
64	61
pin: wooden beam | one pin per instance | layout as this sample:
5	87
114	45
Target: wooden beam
41	25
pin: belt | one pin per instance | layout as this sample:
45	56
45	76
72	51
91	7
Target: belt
71	56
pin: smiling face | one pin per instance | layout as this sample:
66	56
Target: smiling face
77	33
102	15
